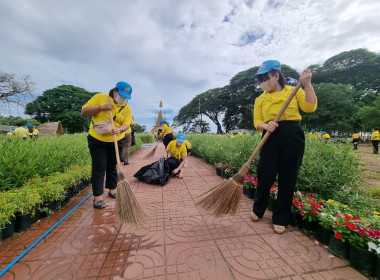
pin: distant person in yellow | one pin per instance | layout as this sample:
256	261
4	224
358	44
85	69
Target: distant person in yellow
36	133
356	139
127	144
188	146
178	155
311	133
167	133
101	137
325	135
375	140
21	132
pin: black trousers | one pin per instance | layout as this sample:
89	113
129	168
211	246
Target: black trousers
355	141
281	155
375	144
167	139
173	164
103	163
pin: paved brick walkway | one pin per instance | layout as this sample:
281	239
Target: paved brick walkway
178	241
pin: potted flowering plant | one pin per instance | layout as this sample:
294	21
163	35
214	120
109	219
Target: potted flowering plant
272	197
250	185
219	167
229	171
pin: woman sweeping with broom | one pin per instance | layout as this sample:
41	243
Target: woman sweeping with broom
101	137
283	151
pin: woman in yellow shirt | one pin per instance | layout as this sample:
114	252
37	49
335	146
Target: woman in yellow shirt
100	137
167	133
283	151
356	139
178	155
375	140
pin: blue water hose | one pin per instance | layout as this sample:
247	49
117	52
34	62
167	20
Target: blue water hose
42	237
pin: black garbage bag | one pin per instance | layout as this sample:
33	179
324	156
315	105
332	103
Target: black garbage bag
155	173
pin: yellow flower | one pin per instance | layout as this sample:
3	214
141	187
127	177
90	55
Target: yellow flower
345	206
330	201
378	217
336	204
376	213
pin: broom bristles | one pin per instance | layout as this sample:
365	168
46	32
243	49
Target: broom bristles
128	209
224	198
151	153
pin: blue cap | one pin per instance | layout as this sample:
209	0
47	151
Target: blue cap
124	89
269	65
311	130
162	121
29	124
181	137
12	128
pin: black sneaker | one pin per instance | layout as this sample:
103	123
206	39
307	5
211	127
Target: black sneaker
99	204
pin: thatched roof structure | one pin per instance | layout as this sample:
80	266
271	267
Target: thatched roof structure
6	128
49	129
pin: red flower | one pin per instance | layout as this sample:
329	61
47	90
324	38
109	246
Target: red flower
338	235
302	213
347	217
350	226
314	211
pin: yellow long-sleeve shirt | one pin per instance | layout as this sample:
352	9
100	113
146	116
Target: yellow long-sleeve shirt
123	117
267	106
375	135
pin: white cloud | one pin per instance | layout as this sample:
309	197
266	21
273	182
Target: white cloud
173	50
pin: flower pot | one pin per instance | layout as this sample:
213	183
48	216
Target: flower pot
377	268
227	176
339	248
295	219
250	193
362	260
36	215
56	205
219	172
9	228
271	203
323	234
23	222
309	226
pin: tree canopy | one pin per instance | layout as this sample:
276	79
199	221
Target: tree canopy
64	104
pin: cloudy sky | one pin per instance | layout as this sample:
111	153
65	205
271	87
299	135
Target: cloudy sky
172	50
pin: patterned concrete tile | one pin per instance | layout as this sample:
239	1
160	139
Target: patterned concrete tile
196	260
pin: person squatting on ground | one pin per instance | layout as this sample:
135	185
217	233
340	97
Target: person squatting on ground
283	151
178	155
356	139
166	134
375	140
127	144
100	137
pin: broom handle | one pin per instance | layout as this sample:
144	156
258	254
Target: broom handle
282	110
114	136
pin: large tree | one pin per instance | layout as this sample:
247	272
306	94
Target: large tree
62	104
370	115
210	103
15	90
336	108
358	68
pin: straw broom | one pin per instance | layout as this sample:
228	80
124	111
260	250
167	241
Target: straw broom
225	197
151	153
128	209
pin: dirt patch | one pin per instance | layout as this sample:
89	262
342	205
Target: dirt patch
371	165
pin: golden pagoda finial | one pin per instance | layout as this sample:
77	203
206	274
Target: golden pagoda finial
160	104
